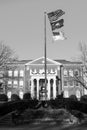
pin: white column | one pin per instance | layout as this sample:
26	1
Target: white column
48	89
54	88
32	88
37	88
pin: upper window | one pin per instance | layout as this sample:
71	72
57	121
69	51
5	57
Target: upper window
10	73
21	83
76	73
15	73
71	83
9	82
65	72
71	73
21	73
65	83
15	82
76	83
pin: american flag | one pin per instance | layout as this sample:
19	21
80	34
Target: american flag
58	24
53	16
58	36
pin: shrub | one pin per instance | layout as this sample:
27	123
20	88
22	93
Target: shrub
83	98
3	97
73	98
27	96
15	97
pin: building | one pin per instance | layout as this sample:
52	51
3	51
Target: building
29	76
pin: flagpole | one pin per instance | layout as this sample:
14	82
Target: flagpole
45	54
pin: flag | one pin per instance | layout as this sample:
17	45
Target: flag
53	16
58	24
58	36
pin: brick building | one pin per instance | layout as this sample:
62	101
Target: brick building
28	76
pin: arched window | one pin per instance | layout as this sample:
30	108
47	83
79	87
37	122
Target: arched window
9	94
66	94
21	94
78	95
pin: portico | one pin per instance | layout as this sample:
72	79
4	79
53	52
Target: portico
36	78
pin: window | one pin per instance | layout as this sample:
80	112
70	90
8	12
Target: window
65	83
71	73
66	94
15	83
9	94
15	73
21	73
78	94
76	83
9	82
85	91
21	94
76	73
65	72
10	73
21	83
71	83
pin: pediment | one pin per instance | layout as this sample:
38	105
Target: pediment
40	61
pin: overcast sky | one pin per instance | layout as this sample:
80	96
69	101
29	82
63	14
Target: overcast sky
22	27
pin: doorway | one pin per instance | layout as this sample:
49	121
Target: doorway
42	90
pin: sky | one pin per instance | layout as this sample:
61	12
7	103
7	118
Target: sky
22	27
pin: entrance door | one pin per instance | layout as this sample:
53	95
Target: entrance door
42	90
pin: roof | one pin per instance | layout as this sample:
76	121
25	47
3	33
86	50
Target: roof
62	61
68	62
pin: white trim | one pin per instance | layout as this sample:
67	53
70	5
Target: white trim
33	61
54	62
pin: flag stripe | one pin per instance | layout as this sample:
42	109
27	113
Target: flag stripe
57	24
58	36
53	16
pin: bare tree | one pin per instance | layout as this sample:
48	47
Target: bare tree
83	59
7	56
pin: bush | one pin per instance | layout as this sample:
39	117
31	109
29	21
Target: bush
15	97
27	96
3	97
73	98
83	98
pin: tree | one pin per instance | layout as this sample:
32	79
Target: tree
7	56
83	58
